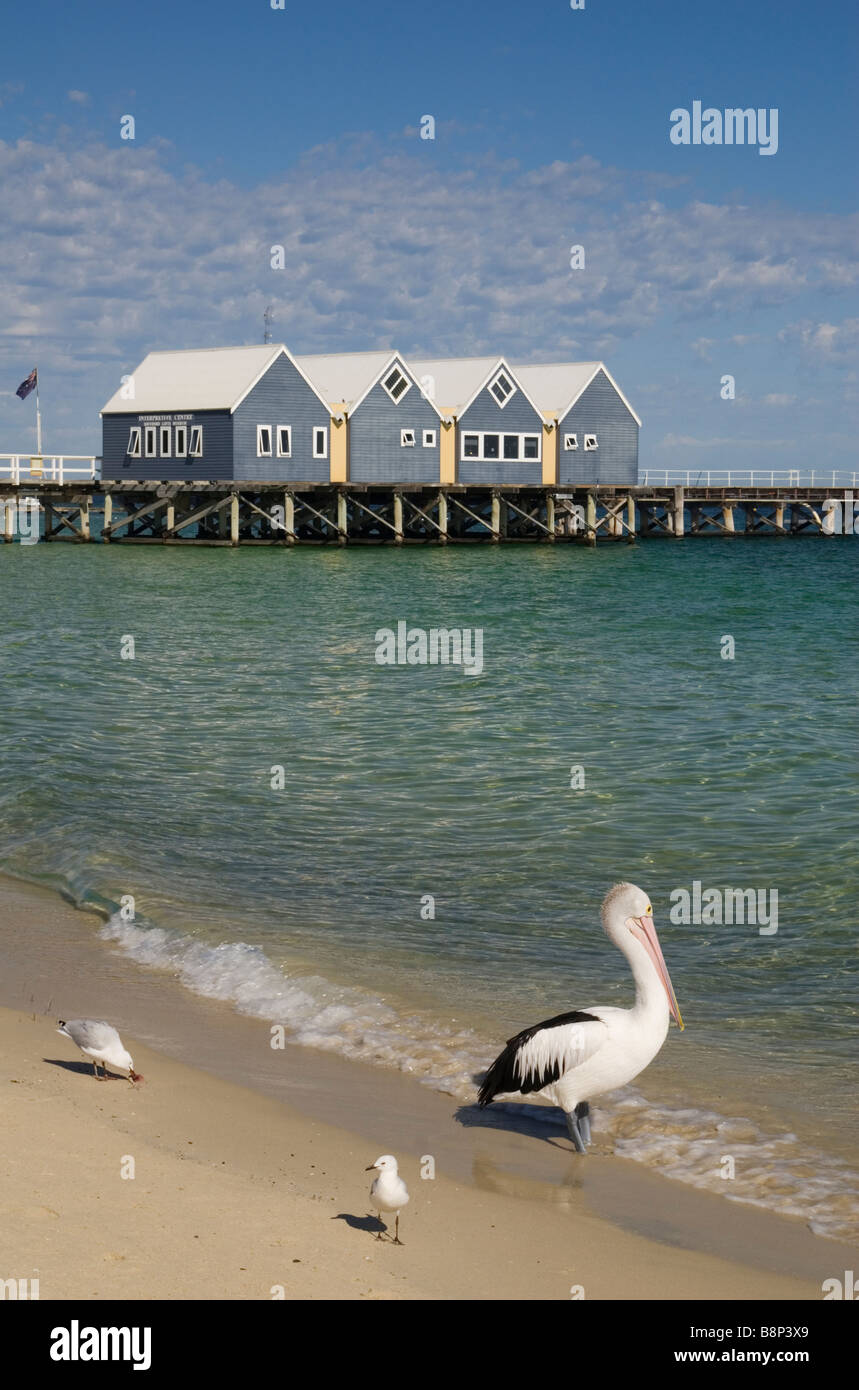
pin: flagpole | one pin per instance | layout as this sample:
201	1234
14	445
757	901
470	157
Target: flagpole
38	419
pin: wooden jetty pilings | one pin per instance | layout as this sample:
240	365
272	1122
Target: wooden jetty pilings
258	513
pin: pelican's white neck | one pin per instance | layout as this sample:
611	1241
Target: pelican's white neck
650	996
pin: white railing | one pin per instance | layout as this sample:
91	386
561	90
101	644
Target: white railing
51	468
794	477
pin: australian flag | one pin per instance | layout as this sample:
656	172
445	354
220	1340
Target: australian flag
29	385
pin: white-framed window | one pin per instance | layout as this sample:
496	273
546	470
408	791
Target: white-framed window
263	441
150	434
195	448
180	441
320	442
429	439
133	449
510	448
502	389
396	383
590	442
530	446
165	432
407	439
284	441
571	441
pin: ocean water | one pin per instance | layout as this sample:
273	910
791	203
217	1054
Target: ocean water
427	880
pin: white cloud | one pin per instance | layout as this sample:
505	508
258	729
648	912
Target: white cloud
106	252
833	341
82	98
778	398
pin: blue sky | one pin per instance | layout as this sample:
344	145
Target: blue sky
299	127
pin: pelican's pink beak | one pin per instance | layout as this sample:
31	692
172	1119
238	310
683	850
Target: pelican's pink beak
646	933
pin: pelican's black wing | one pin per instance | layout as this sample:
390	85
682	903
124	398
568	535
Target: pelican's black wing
536	1057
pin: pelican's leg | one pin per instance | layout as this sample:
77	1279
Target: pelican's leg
574	1132
583	1115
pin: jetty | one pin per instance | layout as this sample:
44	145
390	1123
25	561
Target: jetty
75	504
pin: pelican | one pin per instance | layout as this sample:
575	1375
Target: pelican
579	1055
101	1043
388	1192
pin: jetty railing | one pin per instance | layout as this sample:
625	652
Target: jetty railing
787	477
50	468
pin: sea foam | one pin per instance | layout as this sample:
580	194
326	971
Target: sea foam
684	1142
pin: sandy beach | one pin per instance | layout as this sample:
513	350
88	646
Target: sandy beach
258	1190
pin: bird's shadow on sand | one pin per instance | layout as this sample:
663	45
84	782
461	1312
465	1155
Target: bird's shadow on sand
507	1118
82	1068
361	1223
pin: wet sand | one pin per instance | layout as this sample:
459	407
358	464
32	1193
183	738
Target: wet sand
250	1161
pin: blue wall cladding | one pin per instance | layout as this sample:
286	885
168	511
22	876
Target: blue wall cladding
375	452
600	411
281	397
215	464
517	417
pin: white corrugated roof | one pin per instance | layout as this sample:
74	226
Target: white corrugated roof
457	379
198	379
555	386
344	376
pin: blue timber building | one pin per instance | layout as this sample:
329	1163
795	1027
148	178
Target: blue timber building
392	428
220	414
260	414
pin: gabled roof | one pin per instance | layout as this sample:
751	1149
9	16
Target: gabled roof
460	380
556	386
344	378
196	379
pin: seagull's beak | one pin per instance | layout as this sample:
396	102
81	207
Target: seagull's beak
135	1076
646	932
370	1169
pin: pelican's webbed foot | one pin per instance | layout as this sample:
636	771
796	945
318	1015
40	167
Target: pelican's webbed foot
574	1131
583	1115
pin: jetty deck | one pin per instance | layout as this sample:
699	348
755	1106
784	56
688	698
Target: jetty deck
260	513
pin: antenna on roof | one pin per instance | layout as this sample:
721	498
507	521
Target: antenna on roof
266	319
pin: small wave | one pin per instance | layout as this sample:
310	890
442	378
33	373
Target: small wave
684	1142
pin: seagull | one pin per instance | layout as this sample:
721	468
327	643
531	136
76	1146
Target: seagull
579	1055
388	1192
102	1043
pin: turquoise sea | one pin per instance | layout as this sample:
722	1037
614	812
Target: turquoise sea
427	880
